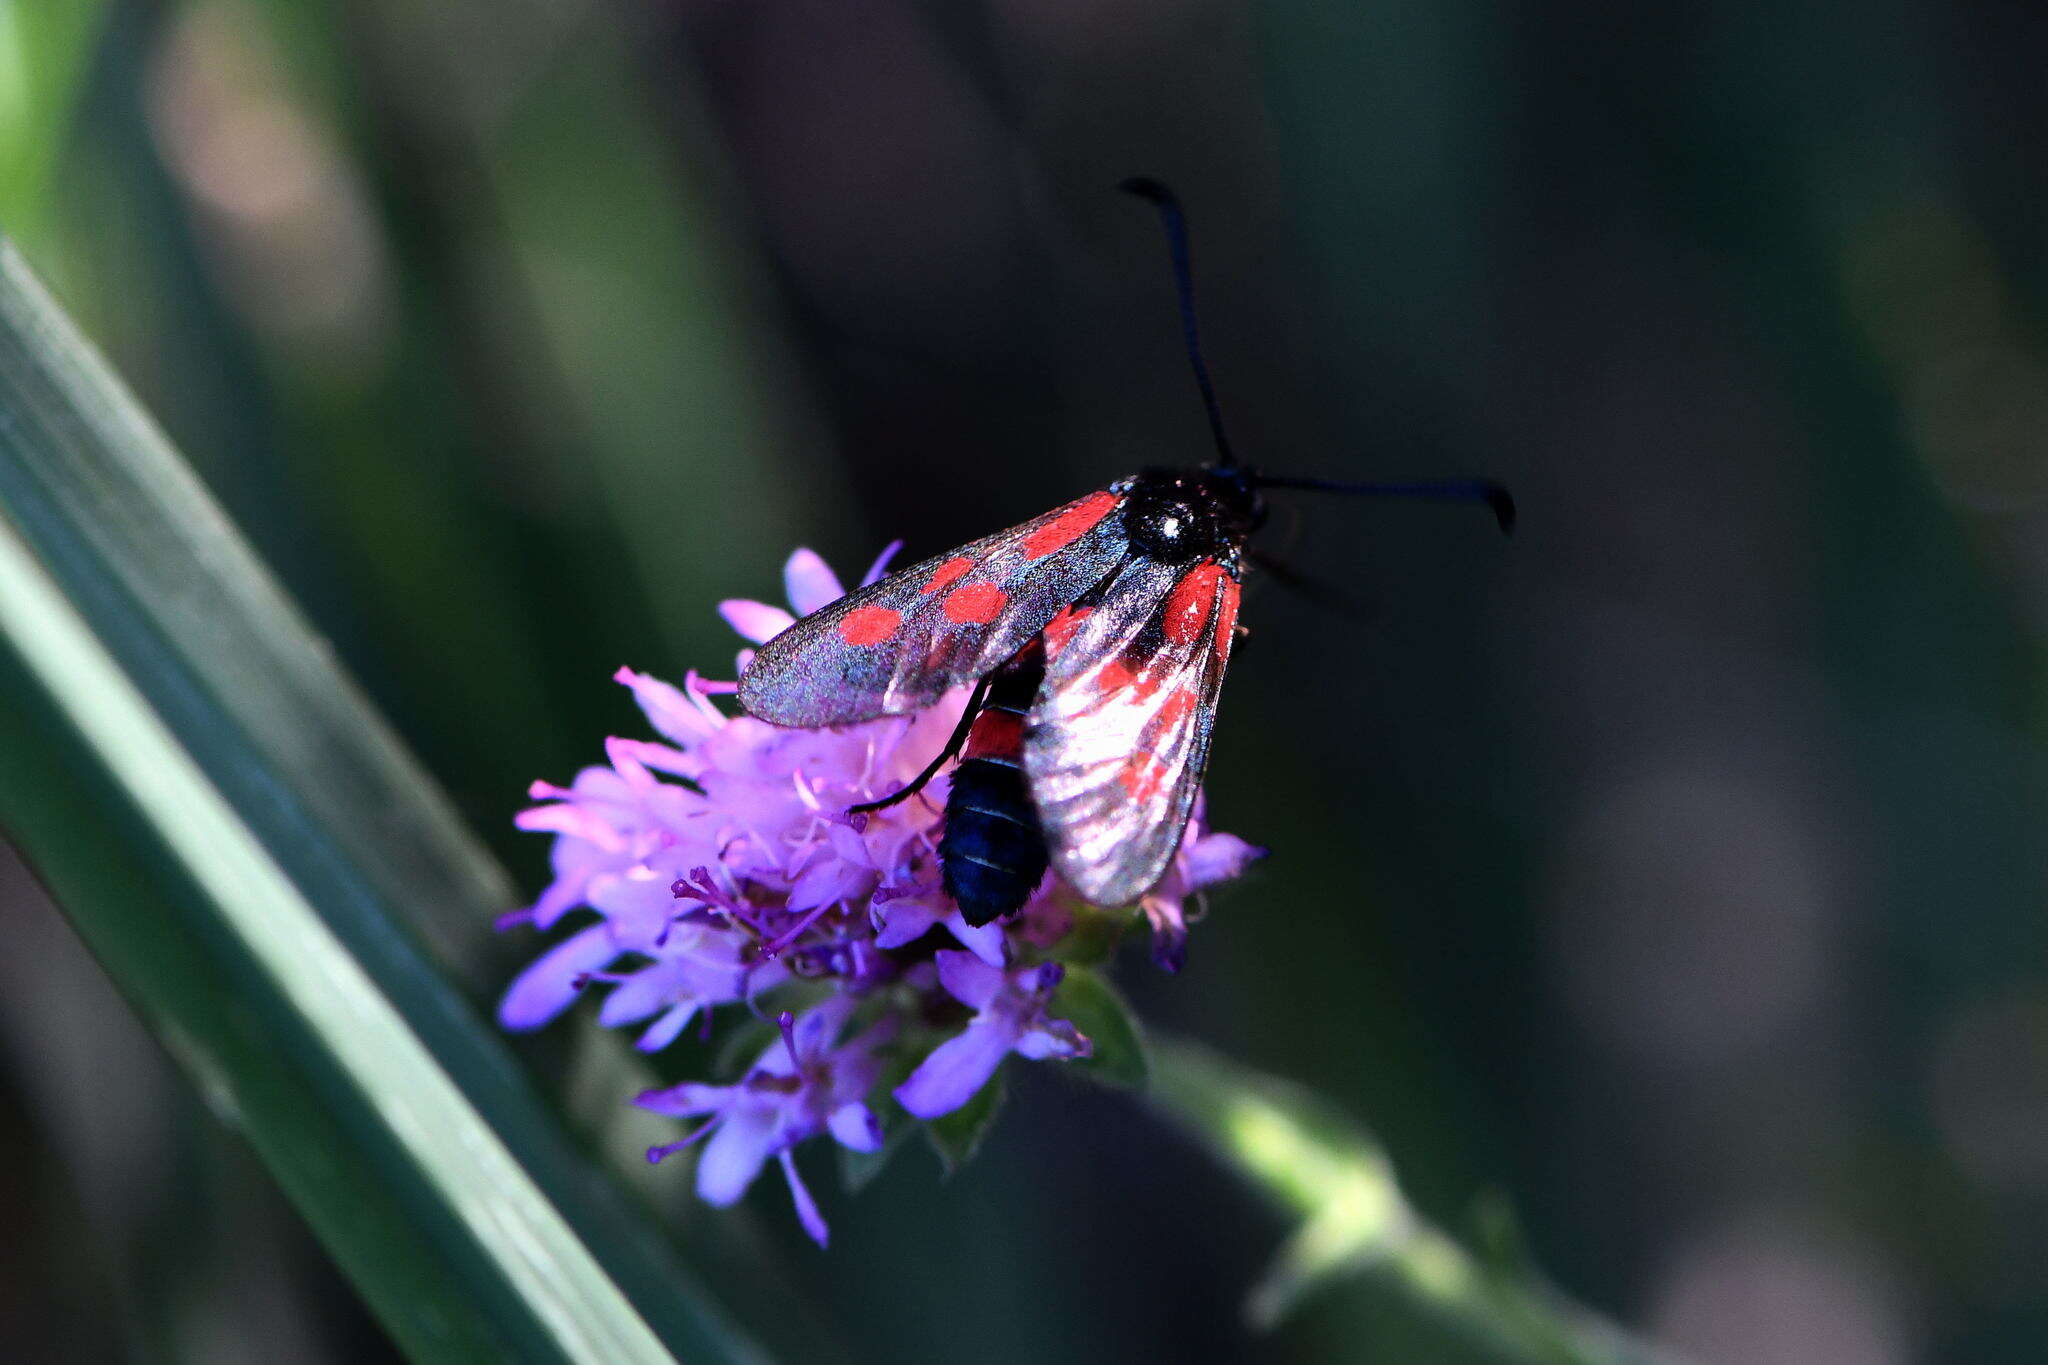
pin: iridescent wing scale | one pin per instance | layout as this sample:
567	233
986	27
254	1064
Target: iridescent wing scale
1117	740
897	646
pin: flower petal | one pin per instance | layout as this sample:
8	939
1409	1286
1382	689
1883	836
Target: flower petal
810	583
663	983
666	708
637	903
578	822
563	895
1169	933
855	1126
806	1207
688	1099
554	980
827	881
735	1153
956	1069
819	1026
1216	858
968	979
1054	1038
985	942
849	845
757	621
880	568
664	1030
1041	980
905	920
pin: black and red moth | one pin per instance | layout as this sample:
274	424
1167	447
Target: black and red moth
1096	636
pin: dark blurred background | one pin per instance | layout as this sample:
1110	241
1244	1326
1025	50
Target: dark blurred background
1672	874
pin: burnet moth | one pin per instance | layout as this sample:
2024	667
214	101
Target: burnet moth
1095	637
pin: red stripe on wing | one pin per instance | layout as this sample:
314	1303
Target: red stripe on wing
1119	736
1077	520
1226	618
1061	629
1191	603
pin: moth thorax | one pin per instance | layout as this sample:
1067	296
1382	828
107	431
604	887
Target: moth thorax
1171	528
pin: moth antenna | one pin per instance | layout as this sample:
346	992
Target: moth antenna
1175	221
1497	499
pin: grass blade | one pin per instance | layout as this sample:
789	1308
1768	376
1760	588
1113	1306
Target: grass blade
240	840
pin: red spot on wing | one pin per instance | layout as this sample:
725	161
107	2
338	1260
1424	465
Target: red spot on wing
1226	618
1061	628
1188	605
975	604
948	573
1070	525
869	625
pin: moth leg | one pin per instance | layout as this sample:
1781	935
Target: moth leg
952	747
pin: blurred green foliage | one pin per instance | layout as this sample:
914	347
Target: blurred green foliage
45	52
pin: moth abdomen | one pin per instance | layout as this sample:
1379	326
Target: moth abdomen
992	855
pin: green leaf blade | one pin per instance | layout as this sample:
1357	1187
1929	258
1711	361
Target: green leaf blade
257	855
1088	1001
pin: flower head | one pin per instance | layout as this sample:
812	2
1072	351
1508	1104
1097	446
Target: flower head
805	1084
722	864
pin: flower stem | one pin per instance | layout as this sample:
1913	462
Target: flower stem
1354	1219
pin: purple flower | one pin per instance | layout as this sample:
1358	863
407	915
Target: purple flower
1009	1016
776	874
696	969
718	863
904	914
806	1083
1206	857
